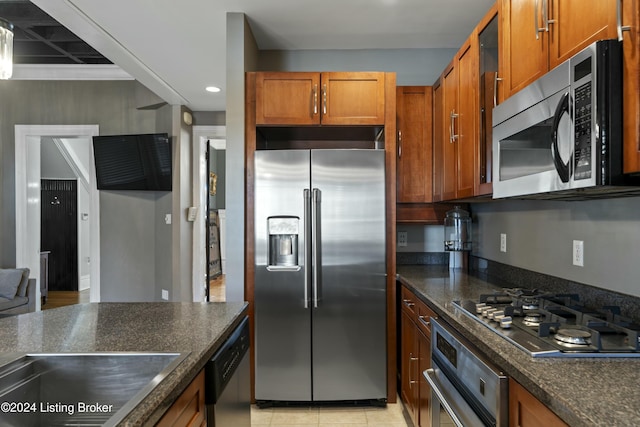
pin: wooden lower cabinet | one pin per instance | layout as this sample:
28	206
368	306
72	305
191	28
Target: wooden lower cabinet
189	409
408	366
415	357
424	390
527	411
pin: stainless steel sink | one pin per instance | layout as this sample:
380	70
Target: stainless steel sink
87	389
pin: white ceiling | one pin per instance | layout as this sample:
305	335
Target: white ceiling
177	48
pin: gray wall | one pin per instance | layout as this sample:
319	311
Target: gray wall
242	55
540	236
128	271
413	67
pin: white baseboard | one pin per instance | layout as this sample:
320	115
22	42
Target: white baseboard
85	282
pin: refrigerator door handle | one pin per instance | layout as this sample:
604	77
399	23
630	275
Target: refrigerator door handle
315	239
307	244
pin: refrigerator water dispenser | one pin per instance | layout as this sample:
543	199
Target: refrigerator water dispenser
283	241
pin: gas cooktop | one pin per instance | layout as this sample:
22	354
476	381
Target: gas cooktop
555	325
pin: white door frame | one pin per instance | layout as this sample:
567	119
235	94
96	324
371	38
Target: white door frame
200	138
27	163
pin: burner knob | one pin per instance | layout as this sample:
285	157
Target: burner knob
496	315
480	306
505	322
489	313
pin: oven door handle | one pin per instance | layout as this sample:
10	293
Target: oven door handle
562	168
449	397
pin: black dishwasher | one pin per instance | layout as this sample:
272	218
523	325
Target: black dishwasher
228	384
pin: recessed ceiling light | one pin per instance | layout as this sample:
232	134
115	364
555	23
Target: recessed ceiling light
213	89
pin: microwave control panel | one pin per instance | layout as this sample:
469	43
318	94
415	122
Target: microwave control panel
582	131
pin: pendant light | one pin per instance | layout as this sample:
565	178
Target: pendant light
6	49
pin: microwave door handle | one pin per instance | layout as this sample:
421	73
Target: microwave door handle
561	167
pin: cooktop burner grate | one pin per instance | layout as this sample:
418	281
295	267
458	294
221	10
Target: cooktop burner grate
546	324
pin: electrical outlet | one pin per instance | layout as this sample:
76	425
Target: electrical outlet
165	295
402	238
578	253
503	242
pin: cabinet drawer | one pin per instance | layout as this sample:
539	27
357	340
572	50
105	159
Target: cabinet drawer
424	318
408	302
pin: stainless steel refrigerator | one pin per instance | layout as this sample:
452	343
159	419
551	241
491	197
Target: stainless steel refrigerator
320	275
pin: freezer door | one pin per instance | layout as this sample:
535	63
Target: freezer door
282	313
349	294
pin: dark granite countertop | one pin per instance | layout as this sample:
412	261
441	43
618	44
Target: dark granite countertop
194	328
583	392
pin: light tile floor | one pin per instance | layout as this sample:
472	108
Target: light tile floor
391	416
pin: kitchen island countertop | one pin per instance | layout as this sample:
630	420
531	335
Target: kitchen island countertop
583	392
198	329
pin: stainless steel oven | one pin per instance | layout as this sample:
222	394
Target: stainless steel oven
563	132
467	390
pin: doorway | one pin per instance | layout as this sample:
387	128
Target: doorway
208	140
28	141
59	232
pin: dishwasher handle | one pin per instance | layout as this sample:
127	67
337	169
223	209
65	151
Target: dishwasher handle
223	364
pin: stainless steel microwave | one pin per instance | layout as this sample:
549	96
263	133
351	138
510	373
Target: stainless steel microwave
561	136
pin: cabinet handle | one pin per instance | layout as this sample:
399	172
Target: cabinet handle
315	99
619	25
496	79
411	359
545	15
536	28
399	143
324	99
408	302
424	322
452	128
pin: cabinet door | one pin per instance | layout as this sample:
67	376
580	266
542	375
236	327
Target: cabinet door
408	364
577	25
631	84
352	98
438	140
287	98
414	127
424	391
467	120
490	91
189	409
525	48
527	411
450	112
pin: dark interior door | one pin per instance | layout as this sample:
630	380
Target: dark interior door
59	232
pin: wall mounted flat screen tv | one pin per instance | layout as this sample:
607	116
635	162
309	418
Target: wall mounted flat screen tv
133	162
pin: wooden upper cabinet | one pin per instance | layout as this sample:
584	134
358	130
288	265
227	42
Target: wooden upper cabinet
525	49
631	85
414	147
540	34
355	98
461	113
340	98
287	98
577	25
468	115
438	139
449	113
